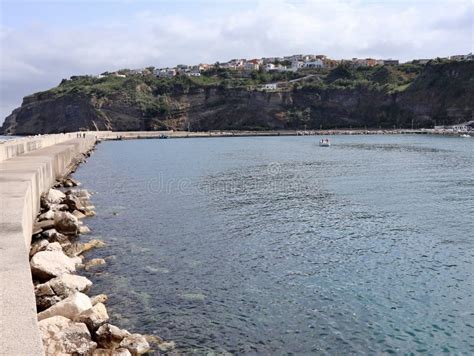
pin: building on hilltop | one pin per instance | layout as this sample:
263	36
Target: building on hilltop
462	57
269	66
390	62
317	63
269	86
165	72
253	64
363	62
296	64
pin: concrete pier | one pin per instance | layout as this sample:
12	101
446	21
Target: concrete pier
28	168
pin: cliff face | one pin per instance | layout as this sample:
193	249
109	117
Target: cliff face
441	93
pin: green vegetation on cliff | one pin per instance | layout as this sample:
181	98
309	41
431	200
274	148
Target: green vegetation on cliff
382	96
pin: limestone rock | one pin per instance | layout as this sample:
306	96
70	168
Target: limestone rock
136	344
84	230
94	263
94	243
69	307
166	346
45	296
116	352
37	246
70	182
82	193
49	215
54	236
43	225
49	264
54	196
93	317
89	213
78	214
56	289
58	207
109	336
55	246
66	223
101	298
153	340
77	248
74	203
62	336
68	284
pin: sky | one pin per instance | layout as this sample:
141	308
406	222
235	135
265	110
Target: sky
43	42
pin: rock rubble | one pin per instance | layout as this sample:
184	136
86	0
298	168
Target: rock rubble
70	322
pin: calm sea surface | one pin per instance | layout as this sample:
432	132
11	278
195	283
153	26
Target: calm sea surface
277	245
5	138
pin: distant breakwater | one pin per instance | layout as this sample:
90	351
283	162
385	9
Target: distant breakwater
128	135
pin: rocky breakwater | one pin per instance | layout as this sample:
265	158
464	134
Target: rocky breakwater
71	322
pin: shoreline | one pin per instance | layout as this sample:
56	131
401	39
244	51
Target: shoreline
69	320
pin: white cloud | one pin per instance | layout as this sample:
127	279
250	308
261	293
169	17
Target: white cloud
38	57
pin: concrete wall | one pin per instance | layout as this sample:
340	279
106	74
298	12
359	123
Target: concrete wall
24	176
24	145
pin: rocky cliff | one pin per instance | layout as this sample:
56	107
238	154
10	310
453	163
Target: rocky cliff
438	93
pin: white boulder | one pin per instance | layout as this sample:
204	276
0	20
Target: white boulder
94	263
62	336
54	196
55	246
100	298
68	284
136	344
109	336
49	215
70	307
82	193
93	317
49	264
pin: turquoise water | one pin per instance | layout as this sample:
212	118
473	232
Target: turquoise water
277	245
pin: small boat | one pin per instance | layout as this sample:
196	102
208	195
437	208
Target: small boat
162	136
465	135
324	142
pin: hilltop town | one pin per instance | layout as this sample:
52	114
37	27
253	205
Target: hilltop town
293	63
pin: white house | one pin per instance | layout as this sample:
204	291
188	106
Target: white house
165	72
269	66
317	63
308	57
253	64
296	64
270	86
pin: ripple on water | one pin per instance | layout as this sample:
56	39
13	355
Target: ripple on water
282	247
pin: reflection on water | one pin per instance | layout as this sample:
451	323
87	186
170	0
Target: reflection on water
268	245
